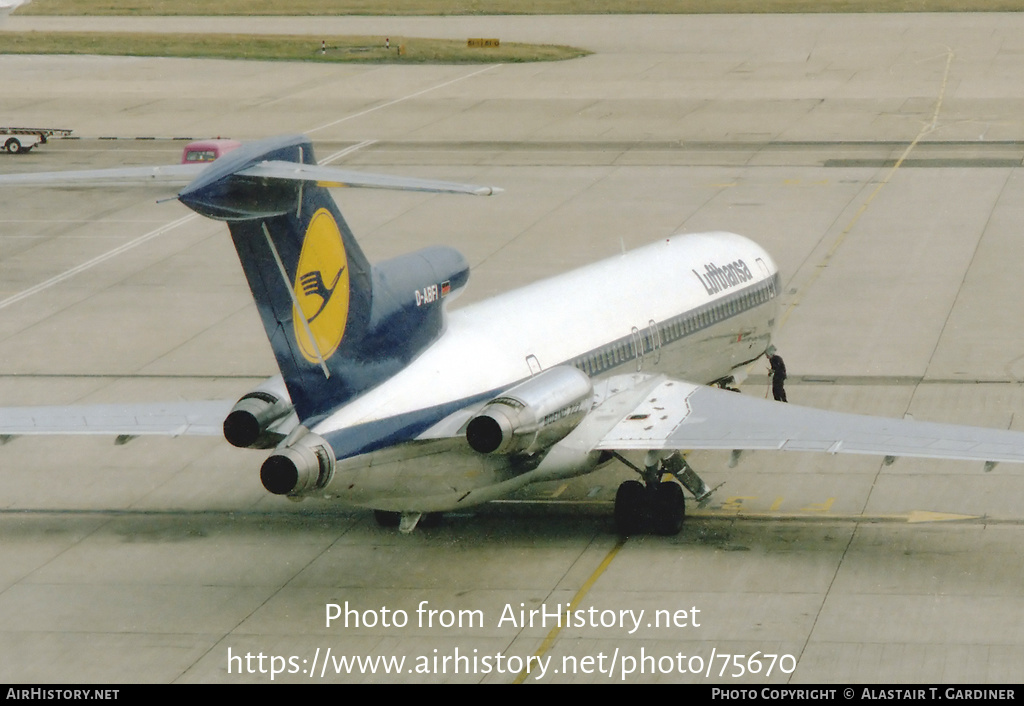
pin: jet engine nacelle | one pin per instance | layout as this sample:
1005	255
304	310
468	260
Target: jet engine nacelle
533	415
255	420
306	464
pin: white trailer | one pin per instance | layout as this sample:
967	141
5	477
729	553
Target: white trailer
21	139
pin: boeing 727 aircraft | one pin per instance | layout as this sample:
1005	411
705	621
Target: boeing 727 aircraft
387	400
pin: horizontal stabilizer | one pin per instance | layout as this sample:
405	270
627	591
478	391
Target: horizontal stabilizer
172	175
184	174
334	177
267	178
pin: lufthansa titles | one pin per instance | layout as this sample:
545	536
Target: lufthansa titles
716	279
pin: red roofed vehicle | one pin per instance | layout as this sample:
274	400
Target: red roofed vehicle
207	150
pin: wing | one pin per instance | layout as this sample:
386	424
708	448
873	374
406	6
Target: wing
679	415
122	420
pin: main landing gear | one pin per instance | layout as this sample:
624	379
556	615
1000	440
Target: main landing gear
406	522
655	505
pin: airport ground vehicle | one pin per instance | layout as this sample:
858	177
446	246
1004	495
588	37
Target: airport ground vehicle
22	139
207	150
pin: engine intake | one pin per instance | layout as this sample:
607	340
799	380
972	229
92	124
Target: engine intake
533	415
305	465
248	425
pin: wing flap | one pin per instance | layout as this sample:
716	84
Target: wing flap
679	415
170	419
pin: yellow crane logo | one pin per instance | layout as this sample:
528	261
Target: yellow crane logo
321	289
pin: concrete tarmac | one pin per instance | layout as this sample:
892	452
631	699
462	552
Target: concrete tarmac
877	157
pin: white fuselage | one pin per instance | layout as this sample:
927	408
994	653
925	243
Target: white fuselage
692	306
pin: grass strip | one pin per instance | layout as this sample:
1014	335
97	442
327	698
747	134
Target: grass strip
346	49
503	7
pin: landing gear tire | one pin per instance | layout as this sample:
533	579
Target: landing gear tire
668	509
659	509
631	508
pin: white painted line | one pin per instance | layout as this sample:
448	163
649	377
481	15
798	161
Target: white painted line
95	261
345	152
403	98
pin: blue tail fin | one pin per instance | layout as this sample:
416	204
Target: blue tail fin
338	326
